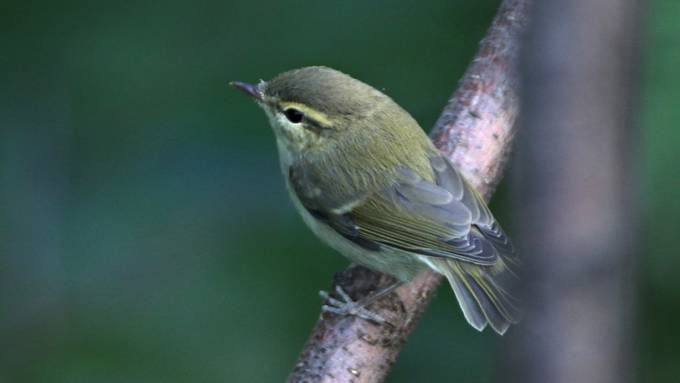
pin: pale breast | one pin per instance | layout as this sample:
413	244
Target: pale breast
400	264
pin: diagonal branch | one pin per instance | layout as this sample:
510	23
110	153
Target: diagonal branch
475	131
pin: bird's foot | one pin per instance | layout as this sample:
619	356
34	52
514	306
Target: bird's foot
347	306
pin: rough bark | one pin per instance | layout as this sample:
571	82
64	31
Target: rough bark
475	131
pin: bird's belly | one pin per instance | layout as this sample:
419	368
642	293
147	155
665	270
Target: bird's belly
400	264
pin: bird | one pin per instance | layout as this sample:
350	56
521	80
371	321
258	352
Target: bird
370	183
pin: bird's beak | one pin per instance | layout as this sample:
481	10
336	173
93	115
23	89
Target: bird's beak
252	90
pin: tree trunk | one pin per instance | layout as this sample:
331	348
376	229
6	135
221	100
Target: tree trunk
575	195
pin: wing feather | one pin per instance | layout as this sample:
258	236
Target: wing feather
444	217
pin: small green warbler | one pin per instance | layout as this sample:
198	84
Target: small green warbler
369	182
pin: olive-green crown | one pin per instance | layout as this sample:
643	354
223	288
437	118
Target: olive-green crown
326	90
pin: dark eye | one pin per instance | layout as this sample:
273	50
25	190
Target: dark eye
293	115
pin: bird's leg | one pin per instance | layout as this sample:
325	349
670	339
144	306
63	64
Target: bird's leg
347	306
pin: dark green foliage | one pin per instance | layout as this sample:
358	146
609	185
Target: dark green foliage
145	233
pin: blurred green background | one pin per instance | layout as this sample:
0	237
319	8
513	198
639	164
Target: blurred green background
145	233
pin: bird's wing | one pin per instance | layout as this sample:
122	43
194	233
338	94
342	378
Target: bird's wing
445	218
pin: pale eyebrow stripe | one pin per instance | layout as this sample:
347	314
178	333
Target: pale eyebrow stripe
317	118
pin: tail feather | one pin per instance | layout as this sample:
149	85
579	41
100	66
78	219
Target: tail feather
468	303
484	293
487	304
506	298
